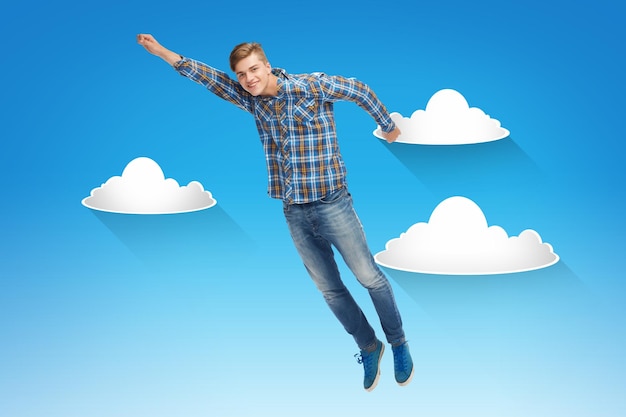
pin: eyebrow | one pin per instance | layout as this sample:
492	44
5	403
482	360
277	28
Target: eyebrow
249	68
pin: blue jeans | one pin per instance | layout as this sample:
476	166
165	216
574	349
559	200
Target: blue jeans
315	228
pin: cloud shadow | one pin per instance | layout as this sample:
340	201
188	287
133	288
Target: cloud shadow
488	301
471	170
206	237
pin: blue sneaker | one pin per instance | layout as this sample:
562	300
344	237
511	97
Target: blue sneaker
371	365
402	363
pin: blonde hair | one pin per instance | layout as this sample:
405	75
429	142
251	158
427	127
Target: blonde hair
244	50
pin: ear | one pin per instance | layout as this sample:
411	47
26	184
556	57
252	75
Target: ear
268	66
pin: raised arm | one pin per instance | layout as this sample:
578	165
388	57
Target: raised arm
216	81
155	48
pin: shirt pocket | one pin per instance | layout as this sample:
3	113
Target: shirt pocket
305	110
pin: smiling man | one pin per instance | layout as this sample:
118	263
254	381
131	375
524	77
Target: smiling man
295	120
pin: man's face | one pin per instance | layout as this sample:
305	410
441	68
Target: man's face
253	74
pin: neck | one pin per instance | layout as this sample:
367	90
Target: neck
272	86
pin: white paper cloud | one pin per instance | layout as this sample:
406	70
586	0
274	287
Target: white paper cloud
458	241
143	189
447	120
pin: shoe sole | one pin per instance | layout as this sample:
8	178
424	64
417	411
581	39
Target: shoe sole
380	356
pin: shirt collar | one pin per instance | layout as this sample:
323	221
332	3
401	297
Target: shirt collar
281	75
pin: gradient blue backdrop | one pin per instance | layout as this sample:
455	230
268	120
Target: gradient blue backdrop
211	313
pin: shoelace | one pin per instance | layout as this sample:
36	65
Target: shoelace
365	360
400	358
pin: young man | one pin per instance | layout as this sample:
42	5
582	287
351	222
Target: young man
295	120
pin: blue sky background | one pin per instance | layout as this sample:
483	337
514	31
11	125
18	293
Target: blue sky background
211	313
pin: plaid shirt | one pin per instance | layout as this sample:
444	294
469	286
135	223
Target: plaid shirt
296	127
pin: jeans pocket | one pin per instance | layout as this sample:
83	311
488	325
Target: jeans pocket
334	196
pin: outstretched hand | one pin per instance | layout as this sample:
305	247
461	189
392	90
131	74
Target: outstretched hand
391	136
155	48
151	44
